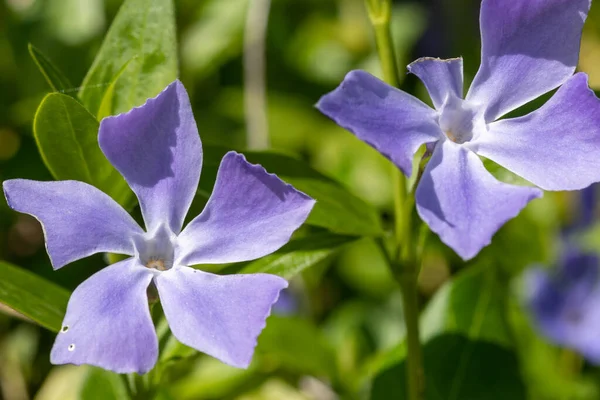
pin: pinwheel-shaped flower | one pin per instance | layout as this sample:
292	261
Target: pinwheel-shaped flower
157	149
529	47
566	304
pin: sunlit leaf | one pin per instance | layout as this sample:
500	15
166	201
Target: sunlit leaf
55	78
144	32
67	137
106	106
31	295
298	255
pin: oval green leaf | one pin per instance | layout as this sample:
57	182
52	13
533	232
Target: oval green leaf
67	137
33	296
468	350
458	368
298	255
144	32
472	304
106	105
55	78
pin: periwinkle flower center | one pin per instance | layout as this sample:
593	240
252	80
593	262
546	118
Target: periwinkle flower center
460	120
156	250
157	263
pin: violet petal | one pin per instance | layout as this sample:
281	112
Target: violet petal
393	122
221	316
108	322
250	214
442	78
78	219
463	203
556	147
529	47
156	147
565	305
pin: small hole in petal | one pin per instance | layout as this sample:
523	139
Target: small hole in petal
65	329
71	347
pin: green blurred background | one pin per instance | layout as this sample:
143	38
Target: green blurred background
347	310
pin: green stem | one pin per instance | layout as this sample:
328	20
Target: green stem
405	260
410	299
402	212
255	86
380	15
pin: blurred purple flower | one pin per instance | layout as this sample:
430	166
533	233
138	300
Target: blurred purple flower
251	213
587	209
287	303
582	212
566	305
529	47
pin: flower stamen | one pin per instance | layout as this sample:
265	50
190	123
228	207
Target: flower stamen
156	263
450	135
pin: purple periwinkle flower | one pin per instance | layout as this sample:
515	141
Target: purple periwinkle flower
529	47
251	213
565	304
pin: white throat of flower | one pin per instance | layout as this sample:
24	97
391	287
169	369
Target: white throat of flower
461	121
156	250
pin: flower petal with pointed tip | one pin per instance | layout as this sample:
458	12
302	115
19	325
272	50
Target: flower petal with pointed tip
442	78
223	315
78	219
537	146
250	214
529	47
157	149
393	122
463	203
108	322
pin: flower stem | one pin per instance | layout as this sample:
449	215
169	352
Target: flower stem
255	91
410	299
404	262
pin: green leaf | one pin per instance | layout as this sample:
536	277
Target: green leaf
67	137
296	345
468	345
106	105
298	255
55	78
31	295
457	368
336	209
473	304
100	384
144	32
